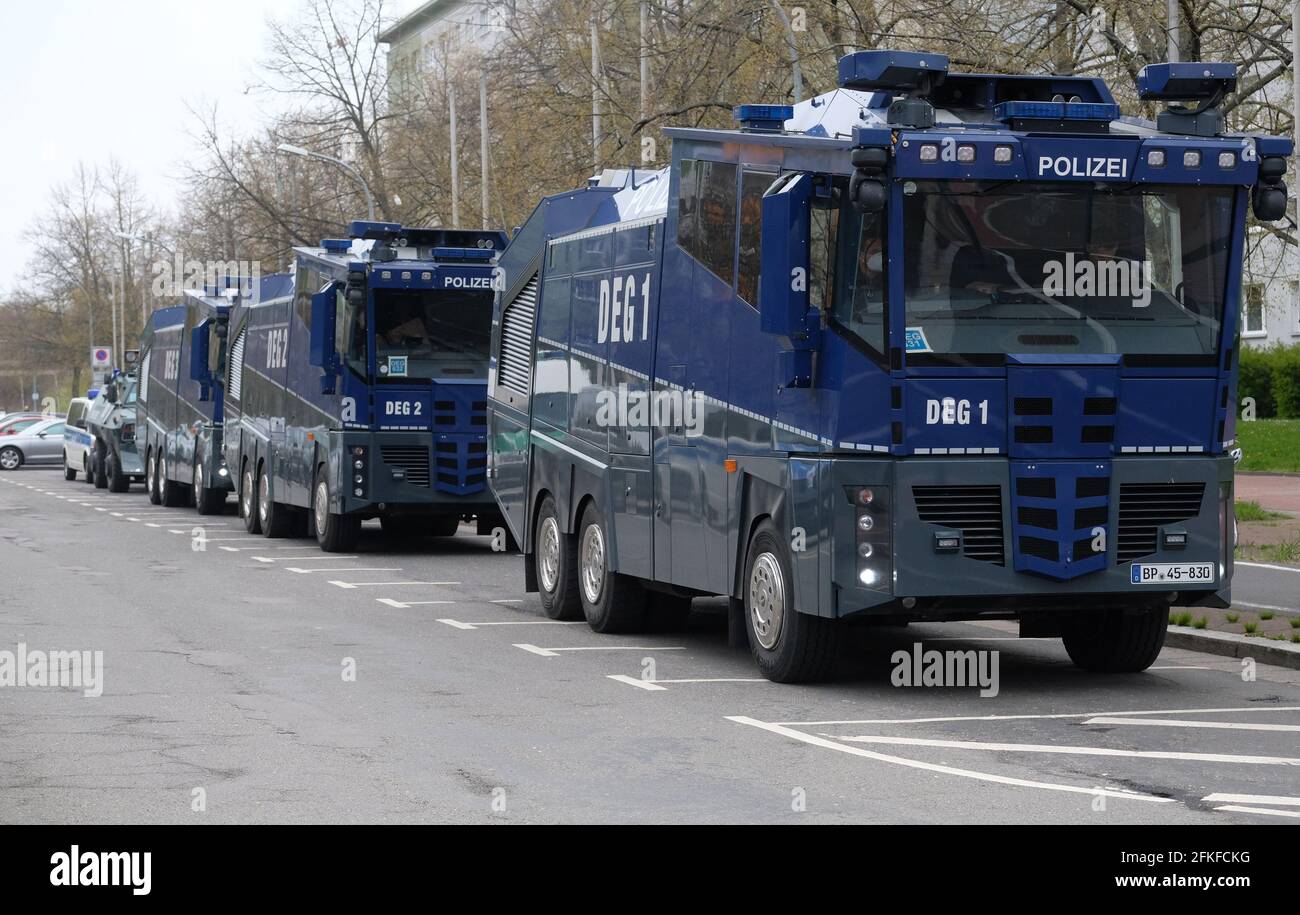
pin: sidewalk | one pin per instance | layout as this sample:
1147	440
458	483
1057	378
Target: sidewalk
1275	493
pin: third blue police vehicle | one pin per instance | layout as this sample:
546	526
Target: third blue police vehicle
931	346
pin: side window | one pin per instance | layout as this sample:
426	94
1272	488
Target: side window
304	285
717	235
823	234
687	201
752	186
859	302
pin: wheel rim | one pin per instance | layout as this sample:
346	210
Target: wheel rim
149	474
322	507
264	499
198	481
9	460
548	555
767	599
246	497
593	563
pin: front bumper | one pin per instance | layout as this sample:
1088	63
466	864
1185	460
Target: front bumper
411	472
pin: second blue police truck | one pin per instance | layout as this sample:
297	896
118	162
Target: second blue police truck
931	346
364	394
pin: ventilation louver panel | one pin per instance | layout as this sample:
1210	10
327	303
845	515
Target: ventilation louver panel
515	364
976	511
1146	507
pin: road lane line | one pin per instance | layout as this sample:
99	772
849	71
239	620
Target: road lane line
1166	711
1066	750
457	624
648	685
370	584
1278	800
405	605
553	652
946	770
1242	603
1175	723
299	571
1233	808
331	556
1266	565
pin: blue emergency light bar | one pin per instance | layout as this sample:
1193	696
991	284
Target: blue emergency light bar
1056	111
1185	80
891	70
763	117
337	245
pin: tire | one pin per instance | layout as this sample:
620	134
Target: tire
788	646
611	602
1117	640
275	519
248	500
446	526
172	493
117	480
555	561
97	468
334	532
68	472
151	479
206	501
10	458
89	474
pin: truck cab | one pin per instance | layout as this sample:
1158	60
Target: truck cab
931	346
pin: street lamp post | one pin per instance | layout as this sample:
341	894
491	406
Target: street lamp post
356	175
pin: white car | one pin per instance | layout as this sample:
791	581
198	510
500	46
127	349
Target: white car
76	440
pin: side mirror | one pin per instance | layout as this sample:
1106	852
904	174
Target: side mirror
320	351
783	302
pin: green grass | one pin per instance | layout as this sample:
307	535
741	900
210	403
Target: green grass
1200	623
1295	637
1266	614
1182	618
1271	445
1286	551
1232	617
1250	628
1295	622
1251	511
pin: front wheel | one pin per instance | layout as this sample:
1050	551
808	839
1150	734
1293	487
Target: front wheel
1117	640
151	484
788	646
117	480
555	560
10	458
97	469
610	601
68	472
335	533
248	501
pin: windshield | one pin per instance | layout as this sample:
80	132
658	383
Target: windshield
422	334
1003	267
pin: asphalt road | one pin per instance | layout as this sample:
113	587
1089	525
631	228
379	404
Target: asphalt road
226	698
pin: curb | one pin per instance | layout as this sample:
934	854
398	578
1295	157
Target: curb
1289	474
1266	651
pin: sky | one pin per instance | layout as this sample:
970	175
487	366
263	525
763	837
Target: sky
87	80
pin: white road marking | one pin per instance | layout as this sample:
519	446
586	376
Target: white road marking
151	524
649	685
371	584
1266	565
406	605
457	624
1189	667
1175	723
314	571
1166	711
242	549
512	601
990	638
946	770
1233	808
553	652
297	558
1066	750
1250	606
1278	800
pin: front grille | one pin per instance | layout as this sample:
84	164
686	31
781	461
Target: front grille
414	459
1146	507
976	511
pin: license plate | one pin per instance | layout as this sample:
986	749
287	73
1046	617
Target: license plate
1163	573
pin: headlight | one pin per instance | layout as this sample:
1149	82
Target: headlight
872	532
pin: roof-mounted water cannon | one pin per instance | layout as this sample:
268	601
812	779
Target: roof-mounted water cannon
1191	81
912	74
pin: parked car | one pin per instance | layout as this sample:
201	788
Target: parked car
41	443
17	422
77	441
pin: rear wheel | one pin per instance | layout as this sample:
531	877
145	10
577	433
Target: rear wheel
555	559
172	493
206	501
276	520
89	473
151	479
68	472
1117	640
117	480
248	501
97	467
788	646
10	458
335	533
610	601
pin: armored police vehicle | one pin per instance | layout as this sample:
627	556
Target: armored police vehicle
365	395
931	346
181	391
111	424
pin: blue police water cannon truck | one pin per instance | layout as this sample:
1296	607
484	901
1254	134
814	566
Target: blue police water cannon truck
931	346
364	395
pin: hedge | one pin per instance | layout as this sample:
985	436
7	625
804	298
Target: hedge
1271	375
